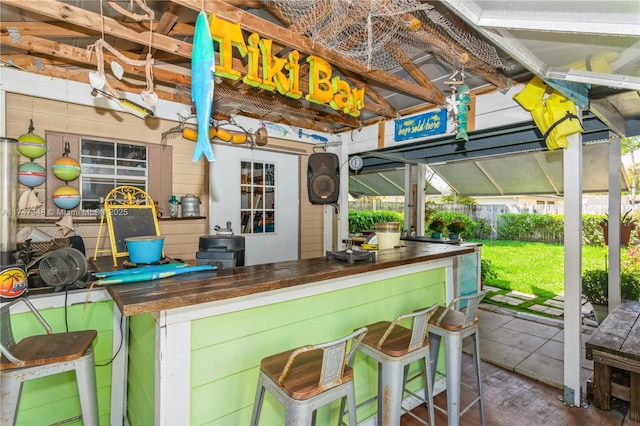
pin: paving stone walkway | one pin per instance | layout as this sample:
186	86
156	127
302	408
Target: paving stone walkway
552	307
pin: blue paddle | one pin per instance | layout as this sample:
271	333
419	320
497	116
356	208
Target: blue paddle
148	276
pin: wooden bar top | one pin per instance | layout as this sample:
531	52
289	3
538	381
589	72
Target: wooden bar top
201	287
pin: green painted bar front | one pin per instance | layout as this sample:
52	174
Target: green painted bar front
226	349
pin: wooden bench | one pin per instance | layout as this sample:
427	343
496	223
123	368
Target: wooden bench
616	344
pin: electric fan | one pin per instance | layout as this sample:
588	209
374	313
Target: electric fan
62	267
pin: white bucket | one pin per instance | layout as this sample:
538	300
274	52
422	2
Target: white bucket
32	233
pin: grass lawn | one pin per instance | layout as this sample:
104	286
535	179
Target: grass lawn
534	268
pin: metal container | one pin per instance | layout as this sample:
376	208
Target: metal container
190	205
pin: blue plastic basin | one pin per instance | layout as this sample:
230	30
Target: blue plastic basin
145	249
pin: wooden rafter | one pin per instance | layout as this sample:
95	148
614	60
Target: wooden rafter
81	17
77	55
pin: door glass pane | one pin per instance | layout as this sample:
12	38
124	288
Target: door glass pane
257	197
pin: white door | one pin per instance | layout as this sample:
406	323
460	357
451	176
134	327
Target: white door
274	234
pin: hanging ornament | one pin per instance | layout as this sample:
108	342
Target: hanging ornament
31	174
66	197
31	145
463	100
64	168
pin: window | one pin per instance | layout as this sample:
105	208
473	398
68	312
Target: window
257	190
105	165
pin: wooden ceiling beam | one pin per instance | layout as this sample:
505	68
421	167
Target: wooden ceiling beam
415	73
61	29
75	54
48	29
83	18
81	76
167	21
302	44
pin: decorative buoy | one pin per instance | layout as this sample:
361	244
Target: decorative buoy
31	174
66	197
66	169
31	145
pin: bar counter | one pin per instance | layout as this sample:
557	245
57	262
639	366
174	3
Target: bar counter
195	341
202	287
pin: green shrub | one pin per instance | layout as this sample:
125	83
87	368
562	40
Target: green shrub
591	230
487	270
531	227
360	221
595	286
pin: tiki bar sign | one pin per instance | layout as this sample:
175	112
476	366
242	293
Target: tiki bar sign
271	72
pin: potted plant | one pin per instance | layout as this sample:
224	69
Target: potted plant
595	289
436	226
627	224
455	228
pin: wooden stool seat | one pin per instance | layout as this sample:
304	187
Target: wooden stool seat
50	348
302	379
396	344
451	320
309	377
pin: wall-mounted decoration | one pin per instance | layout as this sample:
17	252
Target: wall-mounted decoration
430	123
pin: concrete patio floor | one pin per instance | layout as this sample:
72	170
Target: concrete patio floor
527	344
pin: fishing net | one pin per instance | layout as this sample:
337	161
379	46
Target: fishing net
233	101
368	30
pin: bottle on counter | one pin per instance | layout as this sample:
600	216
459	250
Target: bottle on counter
173	206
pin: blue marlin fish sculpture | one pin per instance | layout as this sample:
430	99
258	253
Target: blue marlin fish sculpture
203	62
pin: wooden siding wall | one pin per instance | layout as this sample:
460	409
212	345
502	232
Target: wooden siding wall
188	178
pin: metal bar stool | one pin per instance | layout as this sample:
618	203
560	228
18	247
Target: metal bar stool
306	378
454	325
46	355
394	347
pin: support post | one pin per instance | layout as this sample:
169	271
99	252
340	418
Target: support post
572	160
615	152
